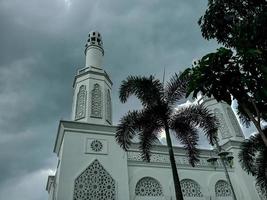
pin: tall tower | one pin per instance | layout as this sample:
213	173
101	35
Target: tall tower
92	86
91	165
229	127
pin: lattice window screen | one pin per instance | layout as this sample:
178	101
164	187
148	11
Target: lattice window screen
148	186
95	183
81	103
190	188
96	105
108	106
222	189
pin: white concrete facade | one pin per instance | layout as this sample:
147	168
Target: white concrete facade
91	165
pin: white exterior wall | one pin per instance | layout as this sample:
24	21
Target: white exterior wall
75	160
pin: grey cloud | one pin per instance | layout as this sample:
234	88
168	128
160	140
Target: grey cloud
42	44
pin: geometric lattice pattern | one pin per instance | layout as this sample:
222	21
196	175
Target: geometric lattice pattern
108	106
190	188
222	189
96	145
96	105
148	186
81	103
95	183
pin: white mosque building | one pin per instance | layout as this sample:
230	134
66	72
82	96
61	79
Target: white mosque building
92	166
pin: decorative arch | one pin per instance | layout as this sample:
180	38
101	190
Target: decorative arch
96	101
222	189
149	187
190	188
94	183
81	103
108	106
224	130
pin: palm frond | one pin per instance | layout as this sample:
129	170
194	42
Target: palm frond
253	159
247	155
261	162
148	90
148	137
127	128
198	116
188	136
176	88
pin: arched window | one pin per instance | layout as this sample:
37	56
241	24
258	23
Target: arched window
96	105
108	106
148	186
94	183
81	103
222	189
190	188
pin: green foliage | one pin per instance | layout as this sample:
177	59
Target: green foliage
253	158
158	114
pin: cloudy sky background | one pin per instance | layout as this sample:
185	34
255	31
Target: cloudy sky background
42	46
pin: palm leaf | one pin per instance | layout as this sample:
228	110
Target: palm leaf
188	136
176	88
199	116
148	90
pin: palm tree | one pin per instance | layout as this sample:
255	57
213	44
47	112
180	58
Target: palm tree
253	159
158	114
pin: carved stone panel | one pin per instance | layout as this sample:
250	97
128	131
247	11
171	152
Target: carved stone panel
81	103
96	146
96	101
95	183
223	128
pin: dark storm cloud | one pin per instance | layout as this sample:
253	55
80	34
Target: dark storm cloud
42	44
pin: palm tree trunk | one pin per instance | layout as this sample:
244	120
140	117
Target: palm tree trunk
176	181
226	171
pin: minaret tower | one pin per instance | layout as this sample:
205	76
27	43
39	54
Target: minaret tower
92	86
229	129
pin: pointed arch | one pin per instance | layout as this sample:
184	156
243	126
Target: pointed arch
149	187
191	188
94	183
81	103
96	101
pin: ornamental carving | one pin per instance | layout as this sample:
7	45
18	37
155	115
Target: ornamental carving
190	188
96	145
81	103
234	122
224	130
108	106
95	183
96	104
148	186
222	189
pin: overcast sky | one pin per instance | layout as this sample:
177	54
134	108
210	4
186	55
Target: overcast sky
42	46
